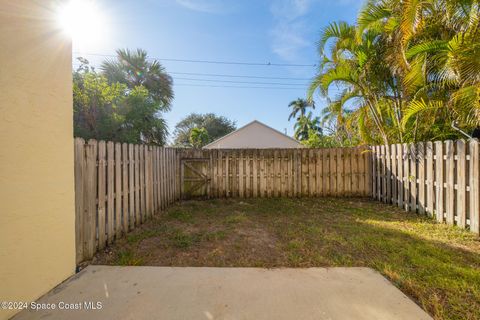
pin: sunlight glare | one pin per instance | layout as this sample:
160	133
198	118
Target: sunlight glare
83	21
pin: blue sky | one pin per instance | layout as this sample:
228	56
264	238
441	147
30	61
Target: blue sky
276	31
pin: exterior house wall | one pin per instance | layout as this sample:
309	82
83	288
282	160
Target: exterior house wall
37	216
255	135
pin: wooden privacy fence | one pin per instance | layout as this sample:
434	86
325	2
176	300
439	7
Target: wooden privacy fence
440	179
244	173
117	187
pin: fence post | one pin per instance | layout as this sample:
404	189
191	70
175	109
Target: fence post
400	186
90	197
461	184
474	176
430	180
413	178
421	177
450	179
394	179
79	154
110	185
439	210
118	189
101	194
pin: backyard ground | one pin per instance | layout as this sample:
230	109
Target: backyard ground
436	265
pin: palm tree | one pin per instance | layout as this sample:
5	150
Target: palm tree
356	65
408	69
448	67
305	125
300	106
134	68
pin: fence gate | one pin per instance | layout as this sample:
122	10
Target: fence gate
195	178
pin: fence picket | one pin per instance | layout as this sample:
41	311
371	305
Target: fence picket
333	171
362	171
255	172
220	183
450	179
136	155
318	172
474	184
118	189
400	175
393	172
131	187
406	176
326	172
80	166
110	191
101	218
413	178
141	178
374	172
421	177
125	188
248	173
89	200
340	172
241	174
355	175
439	210
430	179
461	198
388	174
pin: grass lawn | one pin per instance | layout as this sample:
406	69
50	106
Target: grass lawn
436	265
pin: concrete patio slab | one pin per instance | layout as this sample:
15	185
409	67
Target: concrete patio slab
226	293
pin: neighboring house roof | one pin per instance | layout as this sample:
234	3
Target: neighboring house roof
254	135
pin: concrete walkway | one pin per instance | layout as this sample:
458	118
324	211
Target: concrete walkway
227	293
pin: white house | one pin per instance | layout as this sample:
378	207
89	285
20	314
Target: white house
255	135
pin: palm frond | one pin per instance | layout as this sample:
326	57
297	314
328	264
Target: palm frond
417	106
339	30
372	16
427	47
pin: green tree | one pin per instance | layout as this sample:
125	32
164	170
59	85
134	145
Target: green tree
142	122
316	140
96	105
134	68
299	106
198	137
112	111
306	125
216	126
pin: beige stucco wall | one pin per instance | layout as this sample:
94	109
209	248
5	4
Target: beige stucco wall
37	240
255	135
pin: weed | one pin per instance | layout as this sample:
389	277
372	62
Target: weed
128	258
183	240
180	214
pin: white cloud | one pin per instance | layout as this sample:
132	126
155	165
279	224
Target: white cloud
289	9
288	40
209	6
288	33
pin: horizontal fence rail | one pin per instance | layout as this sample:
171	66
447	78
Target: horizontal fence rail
306	172
440	179
117	187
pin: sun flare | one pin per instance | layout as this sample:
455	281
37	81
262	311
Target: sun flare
83	21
